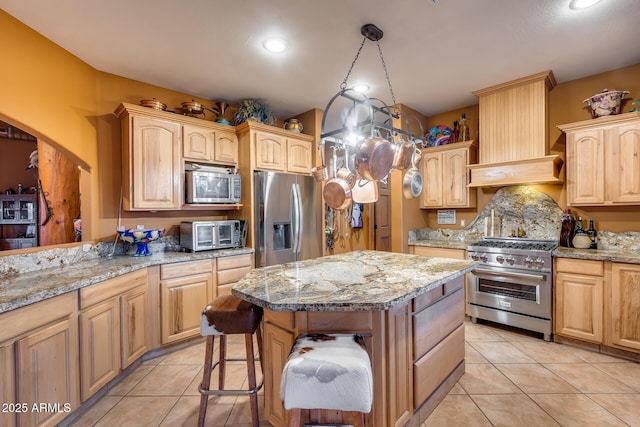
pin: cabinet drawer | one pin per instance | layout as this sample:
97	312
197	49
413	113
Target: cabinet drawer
453	285
109	288
434	323
229	262
181	269
427	298
231	276
284	319
579	266
433	368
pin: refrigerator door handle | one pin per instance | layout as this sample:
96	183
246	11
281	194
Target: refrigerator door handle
297	217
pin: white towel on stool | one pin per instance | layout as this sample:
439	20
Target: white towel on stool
333	373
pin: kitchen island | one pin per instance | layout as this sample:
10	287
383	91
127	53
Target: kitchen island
408	308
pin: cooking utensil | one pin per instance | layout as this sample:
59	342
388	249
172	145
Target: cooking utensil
412	182
192	108
365	191
402	155
153	103
337	192
374	158
345	173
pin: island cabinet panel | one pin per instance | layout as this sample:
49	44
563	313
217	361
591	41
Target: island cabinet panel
185	289
435	322
399	366
277	346
579	299
624	294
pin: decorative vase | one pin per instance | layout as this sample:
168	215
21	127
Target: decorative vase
293	125
581	241
222	117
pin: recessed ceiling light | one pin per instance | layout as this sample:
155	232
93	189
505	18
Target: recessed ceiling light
582	4
274	45
362	88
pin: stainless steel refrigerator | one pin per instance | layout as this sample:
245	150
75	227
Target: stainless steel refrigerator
288	212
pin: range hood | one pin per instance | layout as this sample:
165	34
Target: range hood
514	142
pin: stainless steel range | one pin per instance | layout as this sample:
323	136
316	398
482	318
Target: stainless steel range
513	284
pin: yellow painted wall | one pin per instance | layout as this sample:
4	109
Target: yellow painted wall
565	106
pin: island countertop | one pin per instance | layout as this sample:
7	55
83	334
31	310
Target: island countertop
354	281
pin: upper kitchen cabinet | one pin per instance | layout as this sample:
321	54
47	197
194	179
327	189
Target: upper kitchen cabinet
513	131
155	145
276	149
603	161
446	176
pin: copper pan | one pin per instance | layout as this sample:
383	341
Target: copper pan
374	158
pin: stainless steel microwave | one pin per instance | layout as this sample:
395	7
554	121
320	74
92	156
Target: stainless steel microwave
212	187
207	235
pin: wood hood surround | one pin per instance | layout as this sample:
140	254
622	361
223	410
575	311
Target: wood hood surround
514	139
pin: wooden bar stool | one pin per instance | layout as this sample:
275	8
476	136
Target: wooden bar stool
328	371
228	315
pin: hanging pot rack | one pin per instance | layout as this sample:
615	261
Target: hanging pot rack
379	118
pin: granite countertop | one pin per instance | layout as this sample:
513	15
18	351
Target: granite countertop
22	289
354	281
625	256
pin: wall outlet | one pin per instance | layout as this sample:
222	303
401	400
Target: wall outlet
463	223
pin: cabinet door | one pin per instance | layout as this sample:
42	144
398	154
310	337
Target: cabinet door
7	385
579	306
298	156
197	143
156	165
99	346
47	370
432	178
623	164
271	151
182	302
455	177
625	306
277	345
585	167
226	148
134	325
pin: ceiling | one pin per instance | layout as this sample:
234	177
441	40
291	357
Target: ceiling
436	51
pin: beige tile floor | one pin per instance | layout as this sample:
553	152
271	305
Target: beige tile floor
511	379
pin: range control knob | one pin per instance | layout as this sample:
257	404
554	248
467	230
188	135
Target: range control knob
483	257
511	259
500	259
540	262
474	256
528	261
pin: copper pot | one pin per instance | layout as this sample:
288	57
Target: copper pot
374	158
193	107
365	191
402	155
337	191
153	103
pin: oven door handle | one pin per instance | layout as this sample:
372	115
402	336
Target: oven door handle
509	274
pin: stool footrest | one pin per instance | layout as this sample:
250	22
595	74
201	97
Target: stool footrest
230	392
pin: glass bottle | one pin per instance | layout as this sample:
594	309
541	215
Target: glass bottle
463	134
566	231
593	235
581	239
455	132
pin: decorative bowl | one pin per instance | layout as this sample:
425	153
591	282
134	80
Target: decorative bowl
437	135
141	238
606	103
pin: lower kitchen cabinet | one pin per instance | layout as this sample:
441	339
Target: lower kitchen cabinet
624	307
39	362
185	289
277	344
230	269
579	299
113	329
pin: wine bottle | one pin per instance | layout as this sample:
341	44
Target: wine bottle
463	134
566	231
580	238
593	235
454	133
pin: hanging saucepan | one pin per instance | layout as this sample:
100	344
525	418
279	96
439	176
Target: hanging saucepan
402	155
374	158
192	108
320	173
412	182
153	103
365	191
337	192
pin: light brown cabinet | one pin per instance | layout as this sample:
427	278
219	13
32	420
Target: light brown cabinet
624	307
39	343
185	289
209	144
446	176
230	269
113	329
579	299
277	149
278	342
602	161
